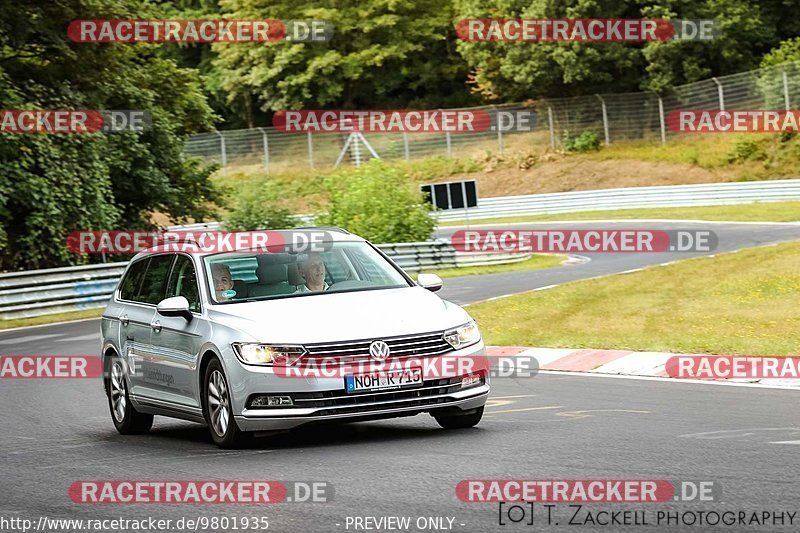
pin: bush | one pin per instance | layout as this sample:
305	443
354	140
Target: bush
258	206
585	142
380	203
746	149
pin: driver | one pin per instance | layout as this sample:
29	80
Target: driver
223	283
312	268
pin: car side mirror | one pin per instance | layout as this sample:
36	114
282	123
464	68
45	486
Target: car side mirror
432	282
175	306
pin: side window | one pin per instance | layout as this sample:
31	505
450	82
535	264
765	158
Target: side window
155	279
183	282
129	290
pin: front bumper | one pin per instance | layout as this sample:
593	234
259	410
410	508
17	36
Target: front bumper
324	399
283	419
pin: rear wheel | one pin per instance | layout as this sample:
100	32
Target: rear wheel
126	418
460	421
218	408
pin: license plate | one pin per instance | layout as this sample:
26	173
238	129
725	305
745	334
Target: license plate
373	381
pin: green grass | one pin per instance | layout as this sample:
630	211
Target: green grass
707	151
536	261
754	212
742	303
49	319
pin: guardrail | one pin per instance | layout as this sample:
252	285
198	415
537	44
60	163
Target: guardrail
629	198
40	292
57	290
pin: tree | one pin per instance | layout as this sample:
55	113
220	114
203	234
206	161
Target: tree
51	184
379	203
382	54
516	71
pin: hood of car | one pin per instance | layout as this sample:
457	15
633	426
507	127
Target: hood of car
343	316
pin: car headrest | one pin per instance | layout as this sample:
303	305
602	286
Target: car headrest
273	259
272	273
294	275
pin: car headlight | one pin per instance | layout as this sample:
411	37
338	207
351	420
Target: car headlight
267	354
463	336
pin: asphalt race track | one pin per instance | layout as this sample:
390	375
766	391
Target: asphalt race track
731	237
551	426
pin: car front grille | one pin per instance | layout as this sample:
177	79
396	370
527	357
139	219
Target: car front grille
421	345
432	392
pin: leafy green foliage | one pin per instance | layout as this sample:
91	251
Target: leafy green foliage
585	142
258	205
52	184
746	149
382	54
510	71
379	203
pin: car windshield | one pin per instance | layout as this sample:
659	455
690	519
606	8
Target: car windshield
262	275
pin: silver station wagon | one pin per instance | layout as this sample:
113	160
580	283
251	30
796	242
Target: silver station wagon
203	337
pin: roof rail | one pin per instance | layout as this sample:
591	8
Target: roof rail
330	228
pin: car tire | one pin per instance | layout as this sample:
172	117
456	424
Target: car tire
126	418
218	408
460	421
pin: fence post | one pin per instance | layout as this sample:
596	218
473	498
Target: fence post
265	143
222	149
405	146
310	150
357	150
661	120
605	119
499	131
721	94
552	129
449	146
786	90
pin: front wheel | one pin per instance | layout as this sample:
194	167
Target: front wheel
460	421
218	408
126	418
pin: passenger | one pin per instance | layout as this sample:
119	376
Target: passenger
312	269
223	284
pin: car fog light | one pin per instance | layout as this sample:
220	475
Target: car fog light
271	401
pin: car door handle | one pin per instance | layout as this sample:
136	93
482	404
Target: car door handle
124	320
156	326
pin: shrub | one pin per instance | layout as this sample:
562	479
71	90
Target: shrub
380	203
585	142
746	149
258	206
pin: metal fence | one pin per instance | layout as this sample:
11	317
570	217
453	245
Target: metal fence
57	290
613	117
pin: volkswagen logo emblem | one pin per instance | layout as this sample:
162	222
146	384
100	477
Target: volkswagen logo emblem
379	350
